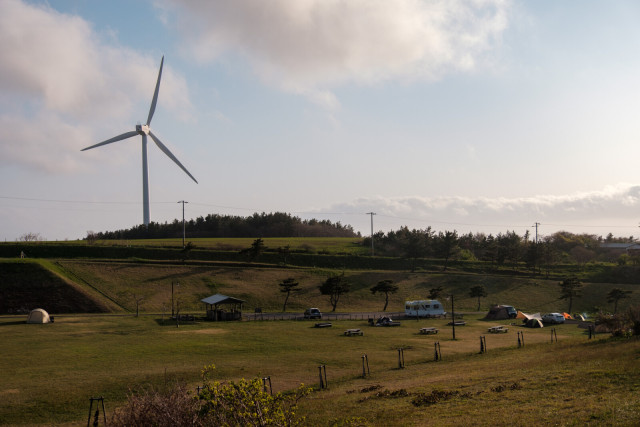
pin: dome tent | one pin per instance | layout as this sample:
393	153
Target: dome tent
38	316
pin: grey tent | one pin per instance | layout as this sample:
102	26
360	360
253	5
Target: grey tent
499	312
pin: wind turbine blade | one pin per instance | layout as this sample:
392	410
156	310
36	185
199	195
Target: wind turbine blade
169	154
114	139
155	94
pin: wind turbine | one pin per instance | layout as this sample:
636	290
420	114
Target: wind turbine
144	130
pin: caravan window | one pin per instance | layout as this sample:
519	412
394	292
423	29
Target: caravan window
407	307
426	307
436	305
416	307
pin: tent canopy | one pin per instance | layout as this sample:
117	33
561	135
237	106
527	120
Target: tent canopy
526	316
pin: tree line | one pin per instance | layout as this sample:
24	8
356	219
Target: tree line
277	224
507	248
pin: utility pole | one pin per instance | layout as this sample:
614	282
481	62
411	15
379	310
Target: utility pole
536	226
172	304
183	228
453	319
372	214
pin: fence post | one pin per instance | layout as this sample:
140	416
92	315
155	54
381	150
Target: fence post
437	352
365	366
482	344
400	358
264	385
324	368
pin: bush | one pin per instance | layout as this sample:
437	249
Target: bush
218	403
625	324
247	403
172	407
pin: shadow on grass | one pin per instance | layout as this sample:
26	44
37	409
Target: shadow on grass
168	321
17	322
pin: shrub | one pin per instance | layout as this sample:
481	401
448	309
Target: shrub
247	403
625	324
218	403
172	407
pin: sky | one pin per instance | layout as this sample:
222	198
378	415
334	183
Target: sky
470	115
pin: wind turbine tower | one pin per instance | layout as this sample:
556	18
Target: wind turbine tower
144	130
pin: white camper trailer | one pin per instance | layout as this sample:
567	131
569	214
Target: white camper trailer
424	308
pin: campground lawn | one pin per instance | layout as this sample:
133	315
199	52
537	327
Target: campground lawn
49	372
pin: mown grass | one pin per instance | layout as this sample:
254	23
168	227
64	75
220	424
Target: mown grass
259	287
48	372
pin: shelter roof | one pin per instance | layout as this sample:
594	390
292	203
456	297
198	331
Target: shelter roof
221	299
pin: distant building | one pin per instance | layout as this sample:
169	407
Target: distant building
632	249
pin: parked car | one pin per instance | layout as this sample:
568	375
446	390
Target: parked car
513	313
384	321
553	318
312	313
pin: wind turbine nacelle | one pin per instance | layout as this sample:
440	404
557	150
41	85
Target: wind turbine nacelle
142	129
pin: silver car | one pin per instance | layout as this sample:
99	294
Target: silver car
312	313
553	318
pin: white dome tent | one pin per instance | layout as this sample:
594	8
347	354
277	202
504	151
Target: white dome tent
38	316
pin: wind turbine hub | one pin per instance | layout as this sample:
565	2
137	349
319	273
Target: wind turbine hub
142	129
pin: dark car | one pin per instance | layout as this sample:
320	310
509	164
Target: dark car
312	313
513	313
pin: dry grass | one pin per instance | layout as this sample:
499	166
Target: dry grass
564	384
48	372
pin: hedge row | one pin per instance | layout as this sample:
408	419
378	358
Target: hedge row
67	251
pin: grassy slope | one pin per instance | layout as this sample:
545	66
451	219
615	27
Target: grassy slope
48	372
28	284
259	287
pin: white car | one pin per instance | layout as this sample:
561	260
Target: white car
553	318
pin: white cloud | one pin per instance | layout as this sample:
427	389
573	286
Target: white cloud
56	73
605	210
304	45
49	145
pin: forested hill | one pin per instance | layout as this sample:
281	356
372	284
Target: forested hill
276	224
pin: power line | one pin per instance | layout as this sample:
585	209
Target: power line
66	201
422	220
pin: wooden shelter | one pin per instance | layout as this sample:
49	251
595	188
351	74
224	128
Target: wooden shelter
222	307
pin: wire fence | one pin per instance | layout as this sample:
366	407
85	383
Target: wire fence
251	317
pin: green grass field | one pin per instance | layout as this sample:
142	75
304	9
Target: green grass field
48	372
